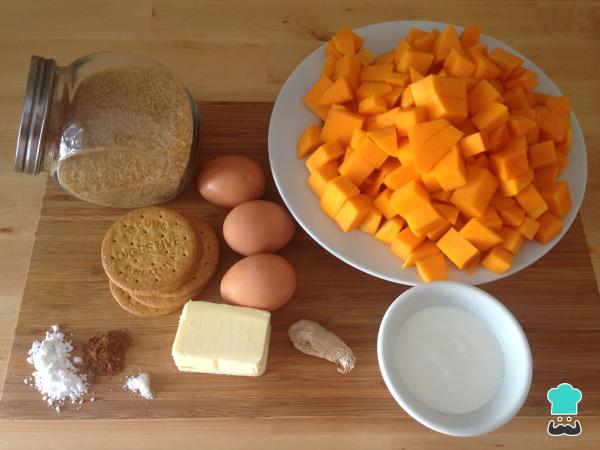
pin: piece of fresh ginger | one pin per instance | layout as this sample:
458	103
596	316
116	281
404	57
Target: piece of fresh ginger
311	338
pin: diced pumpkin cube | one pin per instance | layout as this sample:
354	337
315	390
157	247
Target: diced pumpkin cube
497	260
490	117
382	120
349	66
311	99
415	75
441	195
382	203
329	66
527	79
409	197
389	230
405	242
423	220
425	42
401	47
565	146
407	118
400	176
510	163
356	167
372	105
369	88
558	197
545	175
507	62
405	154
454	110
418	60
529	228
309	141
438	232
450	171
556	103
512	239
473	144
339	189
449	212
397	79
470	36
471	268
376	73
561	161
384	58
554	125
491	219
513	186
516	98
407	100
433	268
438	86
481	96
370	223
357	137
393	98
501	202
431	141
467	127
458	249
353	212
366	57
426	249
326	153
430	181
512	216
459	64
344	41
520	126
414	33
320	177
542	154
340	125
498	138
484	67
473	198
386	139
372	152
338	93
446	41
550	227
482	237
532	201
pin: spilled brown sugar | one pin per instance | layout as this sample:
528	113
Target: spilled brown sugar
105	353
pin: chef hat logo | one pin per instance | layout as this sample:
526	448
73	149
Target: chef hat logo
564	399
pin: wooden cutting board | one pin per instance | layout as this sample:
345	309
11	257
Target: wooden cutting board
555	300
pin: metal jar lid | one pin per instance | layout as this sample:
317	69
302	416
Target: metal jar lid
32	129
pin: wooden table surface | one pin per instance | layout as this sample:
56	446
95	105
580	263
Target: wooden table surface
243	51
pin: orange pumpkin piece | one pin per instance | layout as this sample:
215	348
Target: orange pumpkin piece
386	139
379	175
377	73
425	42
405	154
393	98
397	79
389	230
340	125
329	66
473	144
324	154
513	186
353	212
420	61
542	154
406	99
450	171
406	118
532	201
372	105
414	33
491	219
490	117
473	198
431	141
441	195
482	237
423	220
384	58
415	75
366	57
382	203
512	239
338	190
349	66
470	36
545	175
430	181
550	227
557	196
404	243
497	260
446	41
409	197
516	98
426	249
319	178
501	202
439	231
511	162
527	79
482	95
459	64
565	146
512	216
383	120
400	176
457	248
311	99
520	126
449	212
309	141
484	67
401	47
432	268
561	161
369	88
507	62
356	168
344	41
371	222
529	228
339	92
358	136
498	138
372	152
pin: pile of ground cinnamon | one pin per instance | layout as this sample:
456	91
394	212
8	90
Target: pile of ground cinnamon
105	353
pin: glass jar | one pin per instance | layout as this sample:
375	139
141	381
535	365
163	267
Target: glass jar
113	129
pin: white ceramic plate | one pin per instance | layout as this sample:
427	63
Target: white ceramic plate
290	118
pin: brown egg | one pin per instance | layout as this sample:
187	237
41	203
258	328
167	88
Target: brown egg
231	180
258	226
261	281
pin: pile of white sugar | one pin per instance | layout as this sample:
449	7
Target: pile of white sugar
139	384
55	375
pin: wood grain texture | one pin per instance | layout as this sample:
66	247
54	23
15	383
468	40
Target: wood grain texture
555	298
230	50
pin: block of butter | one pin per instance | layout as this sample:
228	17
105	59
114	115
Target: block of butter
224	339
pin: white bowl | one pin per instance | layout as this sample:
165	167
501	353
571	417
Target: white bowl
513	343
290	118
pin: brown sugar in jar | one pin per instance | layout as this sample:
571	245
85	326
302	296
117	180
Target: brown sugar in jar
113	129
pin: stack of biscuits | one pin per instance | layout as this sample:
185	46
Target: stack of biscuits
156	260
